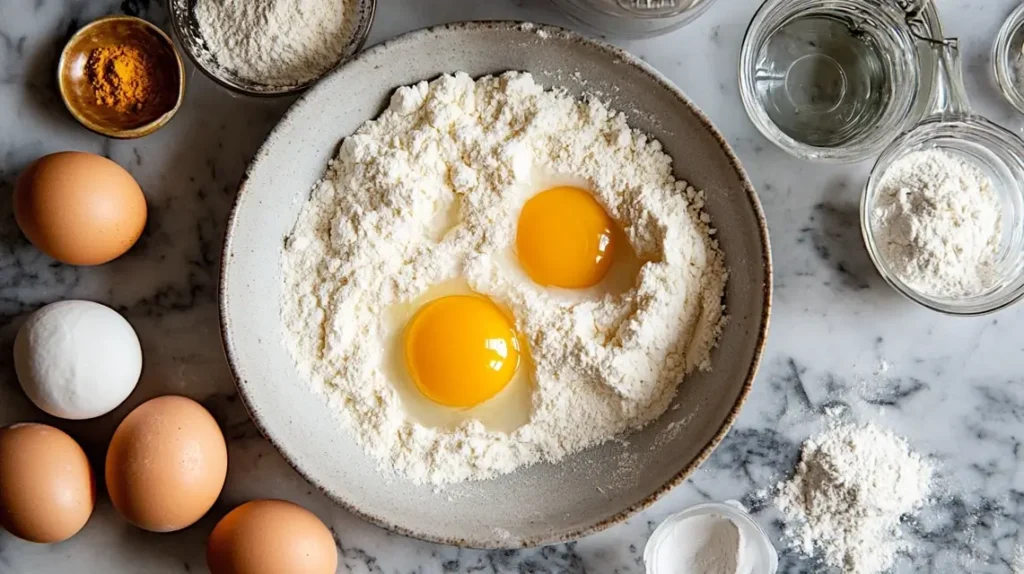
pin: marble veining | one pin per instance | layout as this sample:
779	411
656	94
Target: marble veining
840	336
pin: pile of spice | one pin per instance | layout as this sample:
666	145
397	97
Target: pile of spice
852	488
123	77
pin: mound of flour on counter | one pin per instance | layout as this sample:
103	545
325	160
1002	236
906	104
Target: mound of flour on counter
853	486
430	192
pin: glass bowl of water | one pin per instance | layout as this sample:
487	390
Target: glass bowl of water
634	18
955	129
834	81
1008	59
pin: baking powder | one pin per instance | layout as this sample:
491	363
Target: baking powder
701	544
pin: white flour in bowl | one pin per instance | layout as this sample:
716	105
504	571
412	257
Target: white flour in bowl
275	42
430	192
937	221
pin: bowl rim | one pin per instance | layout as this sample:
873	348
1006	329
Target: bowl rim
613	53
362	34
583	14
144	129
1001	58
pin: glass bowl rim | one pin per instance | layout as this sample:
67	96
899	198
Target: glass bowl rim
1001	58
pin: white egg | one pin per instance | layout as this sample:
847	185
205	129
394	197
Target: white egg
77	359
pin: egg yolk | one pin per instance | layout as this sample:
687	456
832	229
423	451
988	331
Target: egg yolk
564	238
461	350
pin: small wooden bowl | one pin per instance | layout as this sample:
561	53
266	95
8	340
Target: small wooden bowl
80	98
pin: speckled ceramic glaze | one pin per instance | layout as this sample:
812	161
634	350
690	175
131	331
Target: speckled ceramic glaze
585	492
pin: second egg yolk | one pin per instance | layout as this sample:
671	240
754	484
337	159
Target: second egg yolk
461	350
564	238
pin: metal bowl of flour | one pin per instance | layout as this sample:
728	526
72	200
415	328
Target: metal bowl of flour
186	29
545	503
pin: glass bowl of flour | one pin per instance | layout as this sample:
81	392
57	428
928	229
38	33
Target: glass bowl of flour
715	537
942	214
271	47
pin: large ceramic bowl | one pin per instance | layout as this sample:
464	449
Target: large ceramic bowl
544	503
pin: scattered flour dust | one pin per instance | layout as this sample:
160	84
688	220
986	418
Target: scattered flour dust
378	231
276	42
852	487
937	221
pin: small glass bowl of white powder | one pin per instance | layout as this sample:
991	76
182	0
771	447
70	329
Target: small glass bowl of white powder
943	212
711	538
270	47
1008	59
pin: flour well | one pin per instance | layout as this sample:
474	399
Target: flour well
275	42
430	193
852	487
937	221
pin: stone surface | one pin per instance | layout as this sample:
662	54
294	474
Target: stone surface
839	335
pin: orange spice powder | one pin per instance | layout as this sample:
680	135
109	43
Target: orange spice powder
123	77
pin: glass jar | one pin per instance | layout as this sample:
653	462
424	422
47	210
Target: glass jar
836	80
1008	59
633	18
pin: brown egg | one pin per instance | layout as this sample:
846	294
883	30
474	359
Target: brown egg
47	491
268	537
166	464
79	208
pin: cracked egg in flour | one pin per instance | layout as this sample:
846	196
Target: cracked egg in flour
455	355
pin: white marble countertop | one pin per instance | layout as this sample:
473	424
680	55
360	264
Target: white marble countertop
954	387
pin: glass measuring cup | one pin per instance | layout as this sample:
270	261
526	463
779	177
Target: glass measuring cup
953	127
836	81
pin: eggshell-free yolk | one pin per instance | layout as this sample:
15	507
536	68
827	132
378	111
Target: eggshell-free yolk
564	238
461	350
